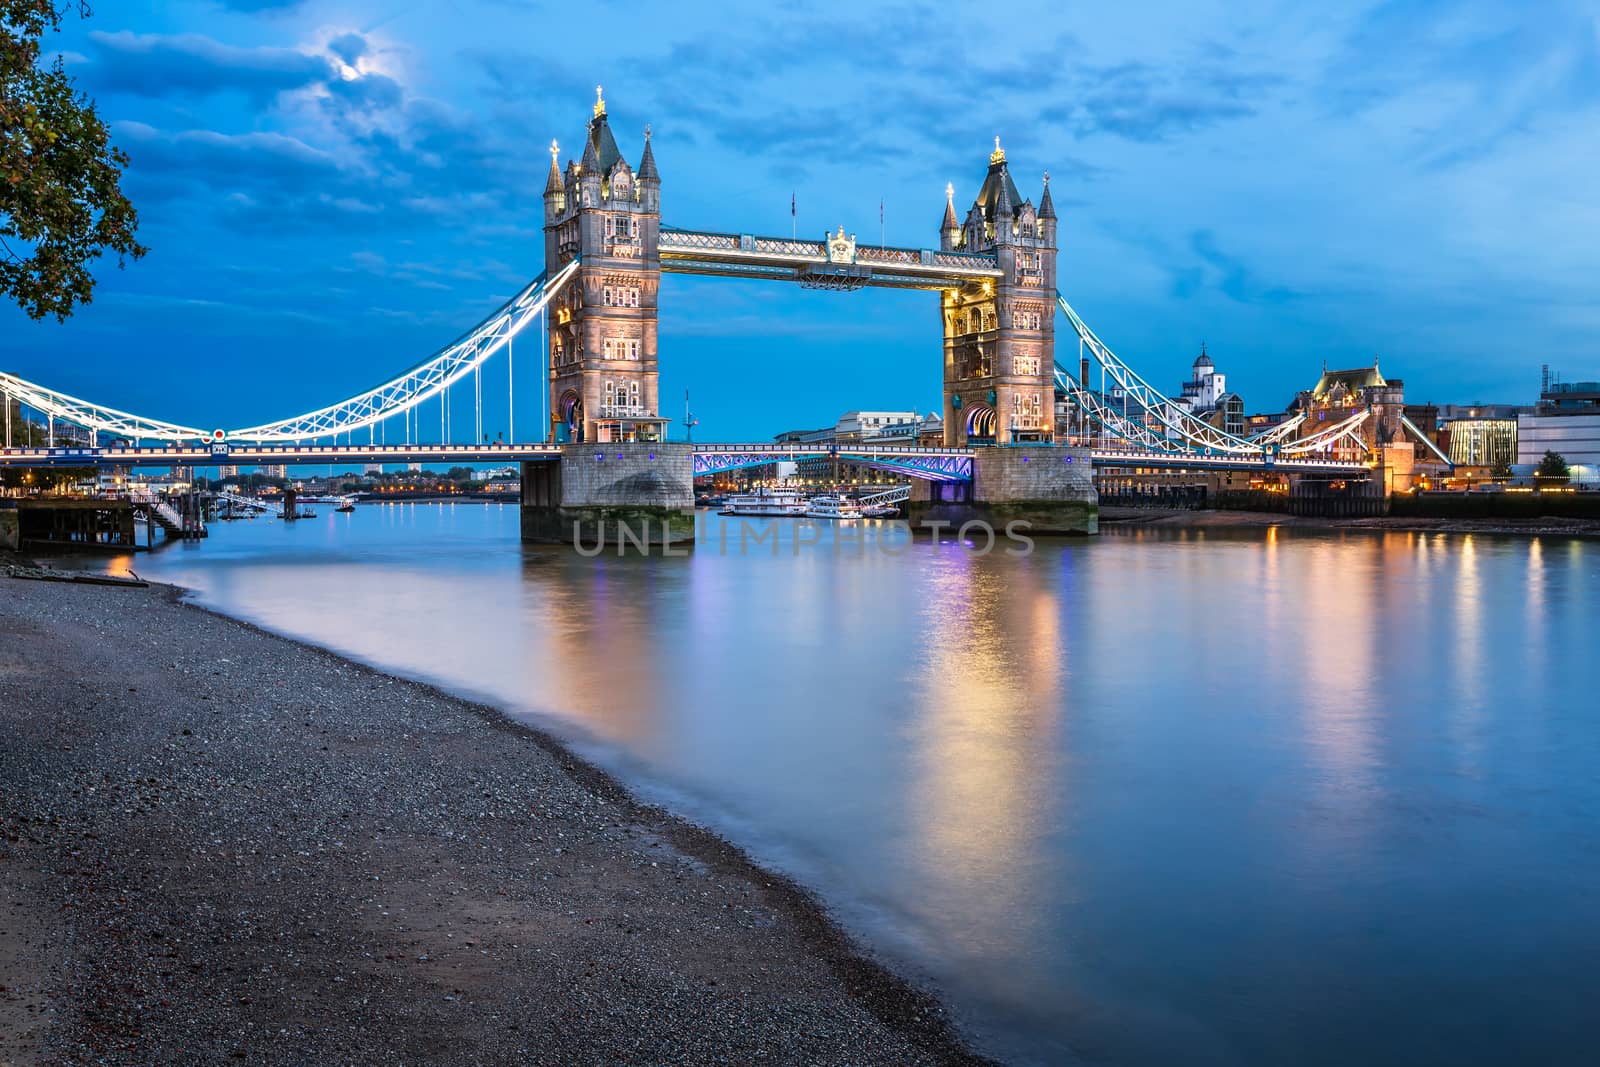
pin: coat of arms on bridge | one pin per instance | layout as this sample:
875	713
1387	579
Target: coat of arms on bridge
842	249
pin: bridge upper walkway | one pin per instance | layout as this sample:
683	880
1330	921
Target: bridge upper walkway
837	263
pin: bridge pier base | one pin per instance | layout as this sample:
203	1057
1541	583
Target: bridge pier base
1049	487
639	493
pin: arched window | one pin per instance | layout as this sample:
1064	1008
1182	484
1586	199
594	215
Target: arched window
611	394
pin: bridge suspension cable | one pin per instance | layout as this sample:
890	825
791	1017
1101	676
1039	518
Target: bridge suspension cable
94	417
1161	425
1181	429
426	380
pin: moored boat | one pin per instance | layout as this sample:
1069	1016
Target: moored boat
766	503
832	507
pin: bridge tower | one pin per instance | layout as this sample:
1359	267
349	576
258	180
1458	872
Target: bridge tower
999	337
603	384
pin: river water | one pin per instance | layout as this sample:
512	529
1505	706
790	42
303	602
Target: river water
1159	797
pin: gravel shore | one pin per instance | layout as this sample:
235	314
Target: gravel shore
220	846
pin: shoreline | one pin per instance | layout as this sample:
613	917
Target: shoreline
699	954
1177	518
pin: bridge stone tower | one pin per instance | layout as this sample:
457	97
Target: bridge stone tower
603	384
999	338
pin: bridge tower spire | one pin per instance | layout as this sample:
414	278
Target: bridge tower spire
602	358
999	337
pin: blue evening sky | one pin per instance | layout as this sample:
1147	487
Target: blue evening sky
331	190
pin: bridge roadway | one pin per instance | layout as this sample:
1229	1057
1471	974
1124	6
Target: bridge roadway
937	464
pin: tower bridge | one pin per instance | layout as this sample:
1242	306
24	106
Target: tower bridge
605	453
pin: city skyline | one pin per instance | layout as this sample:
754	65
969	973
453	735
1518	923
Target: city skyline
331	195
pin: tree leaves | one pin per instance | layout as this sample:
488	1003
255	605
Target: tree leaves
61	201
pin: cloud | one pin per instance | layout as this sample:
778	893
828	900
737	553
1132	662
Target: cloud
1228	273
189	64
1142	103
348	47
248	158
367	93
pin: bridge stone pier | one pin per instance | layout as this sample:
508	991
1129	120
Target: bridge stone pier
1049	487
610	493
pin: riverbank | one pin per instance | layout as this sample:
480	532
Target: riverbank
218	845
1549	526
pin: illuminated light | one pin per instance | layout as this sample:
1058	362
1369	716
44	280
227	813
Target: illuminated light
599	457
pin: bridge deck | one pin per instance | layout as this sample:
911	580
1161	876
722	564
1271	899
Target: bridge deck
916	460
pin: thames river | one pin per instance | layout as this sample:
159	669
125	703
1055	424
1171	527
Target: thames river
1169	797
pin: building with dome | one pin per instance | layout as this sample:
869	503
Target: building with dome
1204	389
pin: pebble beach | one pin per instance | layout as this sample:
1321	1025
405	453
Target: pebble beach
220	846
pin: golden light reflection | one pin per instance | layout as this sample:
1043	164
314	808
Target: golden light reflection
1340	642
1534	607
574	622
991	695
1467	707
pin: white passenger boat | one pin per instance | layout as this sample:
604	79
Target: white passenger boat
832	507
771	503
880	511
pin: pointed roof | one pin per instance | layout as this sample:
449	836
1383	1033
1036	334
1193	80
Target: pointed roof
1003	206
1047	207
589	165
950	222
1348	381
552	184
647	162
997	182
600	139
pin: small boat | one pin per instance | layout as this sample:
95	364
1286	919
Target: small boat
832	507
347	506
880	511
768	503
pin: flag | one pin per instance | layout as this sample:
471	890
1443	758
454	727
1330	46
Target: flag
880	212
791	205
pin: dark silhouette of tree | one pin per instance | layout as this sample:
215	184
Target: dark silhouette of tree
1553	469
61	202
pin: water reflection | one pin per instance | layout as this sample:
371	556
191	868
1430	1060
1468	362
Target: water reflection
989	686
1209	796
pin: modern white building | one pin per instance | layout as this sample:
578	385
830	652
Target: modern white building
1567	422
863	424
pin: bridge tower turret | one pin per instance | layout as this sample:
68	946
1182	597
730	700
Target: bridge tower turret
950	227
602	358
999	336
